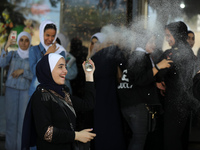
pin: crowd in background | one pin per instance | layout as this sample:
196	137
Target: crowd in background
142	100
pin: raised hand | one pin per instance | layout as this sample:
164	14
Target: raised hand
89	74
52	49
165	63
9	42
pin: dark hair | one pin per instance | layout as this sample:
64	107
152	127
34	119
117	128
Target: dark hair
192	33
189	31
50	26
75	46
58	41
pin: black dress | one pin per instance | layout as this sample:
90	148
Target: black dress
107	115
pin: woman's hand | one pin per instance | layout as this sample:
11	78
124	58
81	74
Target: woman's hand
9	42
89	74
52	49
84	135
17	73
165	63
162	87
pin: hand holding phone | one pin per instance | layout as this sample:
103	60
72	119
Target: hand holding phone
13	37
11	40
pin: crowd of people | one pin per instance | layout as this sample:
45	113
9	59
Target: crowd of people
128	101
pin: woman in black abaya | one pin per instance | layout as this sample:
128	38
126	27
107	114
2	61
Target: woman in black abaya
178	82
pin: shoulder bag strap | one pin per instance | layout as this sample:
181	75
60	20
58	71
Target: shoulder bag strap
60	103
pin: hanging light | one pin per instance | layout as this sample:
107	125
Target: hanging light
182	5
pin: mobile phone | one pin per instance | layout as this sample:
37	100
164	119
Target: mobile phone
13	35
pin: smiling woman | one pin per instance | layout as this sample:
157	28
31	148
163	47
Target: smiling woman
178	98
54	109
48	35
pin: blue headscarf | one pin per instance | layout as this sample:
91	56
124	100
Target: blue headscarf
44	75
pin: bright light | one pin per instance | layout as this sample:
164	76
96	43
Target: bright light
182	5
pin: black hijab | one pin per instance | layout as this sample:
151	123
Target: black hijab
179	31
44	76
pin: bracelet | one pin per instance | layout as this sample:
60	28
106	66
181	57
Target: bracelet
157	67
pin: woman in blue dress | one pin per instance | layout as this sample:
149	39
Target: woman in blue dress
17	85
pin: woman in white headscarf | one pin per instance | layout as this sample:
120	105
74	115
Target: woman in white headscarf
17	85
48	35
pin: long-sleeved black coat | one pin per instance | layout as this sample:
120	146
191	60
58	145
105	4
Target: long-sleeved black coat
178	79
178	96
47	112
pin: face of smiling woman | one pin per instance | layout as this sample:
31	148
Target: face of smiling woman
49	36
59	72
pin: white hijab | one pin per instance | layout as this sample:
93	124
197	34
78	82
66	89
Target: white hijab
53	59
23	53
100	36
42	26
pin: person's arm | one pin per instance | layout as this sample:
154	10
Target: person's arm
161	65
84	135
162	72
23	71
9	42
5	58
27	72
33	59
88	100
